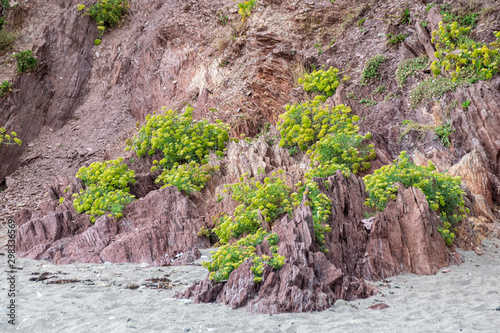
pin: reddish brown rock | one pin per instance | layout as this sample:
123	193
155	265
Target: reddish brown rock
402	239
162	223
378	306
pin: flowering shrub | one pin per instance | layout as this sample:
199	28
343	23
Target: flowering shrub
305	124
107	188
442	191
245	8
107	13
184	146
461	56
260	203
229	257
322	82
9	139
188	178
320	206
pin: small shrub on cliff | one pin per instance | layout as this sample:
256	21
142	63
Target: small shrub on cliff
261	203
107	188
229	257
184	145
304	124
322	82
372	68
245	8
25	61
5	88
9	139
442	191
410	67
7	39
107	13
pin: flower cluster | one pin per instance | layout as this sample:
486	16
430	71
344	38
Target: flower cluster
107	188
229	257
442	191
461	56
261	203
322	82
245	8
184	146
107	13
305	124
9	139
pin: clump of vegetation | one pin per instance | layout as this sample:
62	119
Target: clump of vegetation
229	257
442	191
260	204
245	8
9	139
5	88
466	104
107	189
7	39
395	39
405	16
322	82
184	146
443	132
372	68
25	61
367	101
433	88
463	58
410	67
464	18
361	22
107	13
410	125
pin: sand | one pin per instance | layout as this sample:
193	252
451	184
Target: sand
463	300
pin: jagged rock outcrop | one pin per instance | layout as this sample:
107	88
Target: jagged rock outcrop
402	239
153	230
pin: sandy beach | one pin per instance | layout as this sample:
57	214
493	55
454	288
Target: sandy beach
103	299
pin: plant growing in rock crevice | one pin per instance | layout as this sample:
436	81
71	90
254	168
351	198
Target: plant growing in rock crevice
322	82
107	189
372	68
25	61
9	138
442	191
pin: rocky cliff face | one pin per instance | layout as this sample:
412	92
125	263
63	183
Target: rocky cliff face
83	101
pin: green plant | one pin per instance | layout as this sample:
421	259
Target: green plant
5	88
245	8
466	104
372	68
367	101
381	89
405	16
443	132
106	189
25	61
442	191
188	178
7	39
322	82
260	204
462	57
304	124
107	13
361	22
351	95
229	257
410	67
395	39
222	19
433	88
429	6
9	139
184	146
424	24
464	18
319	47
332	42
